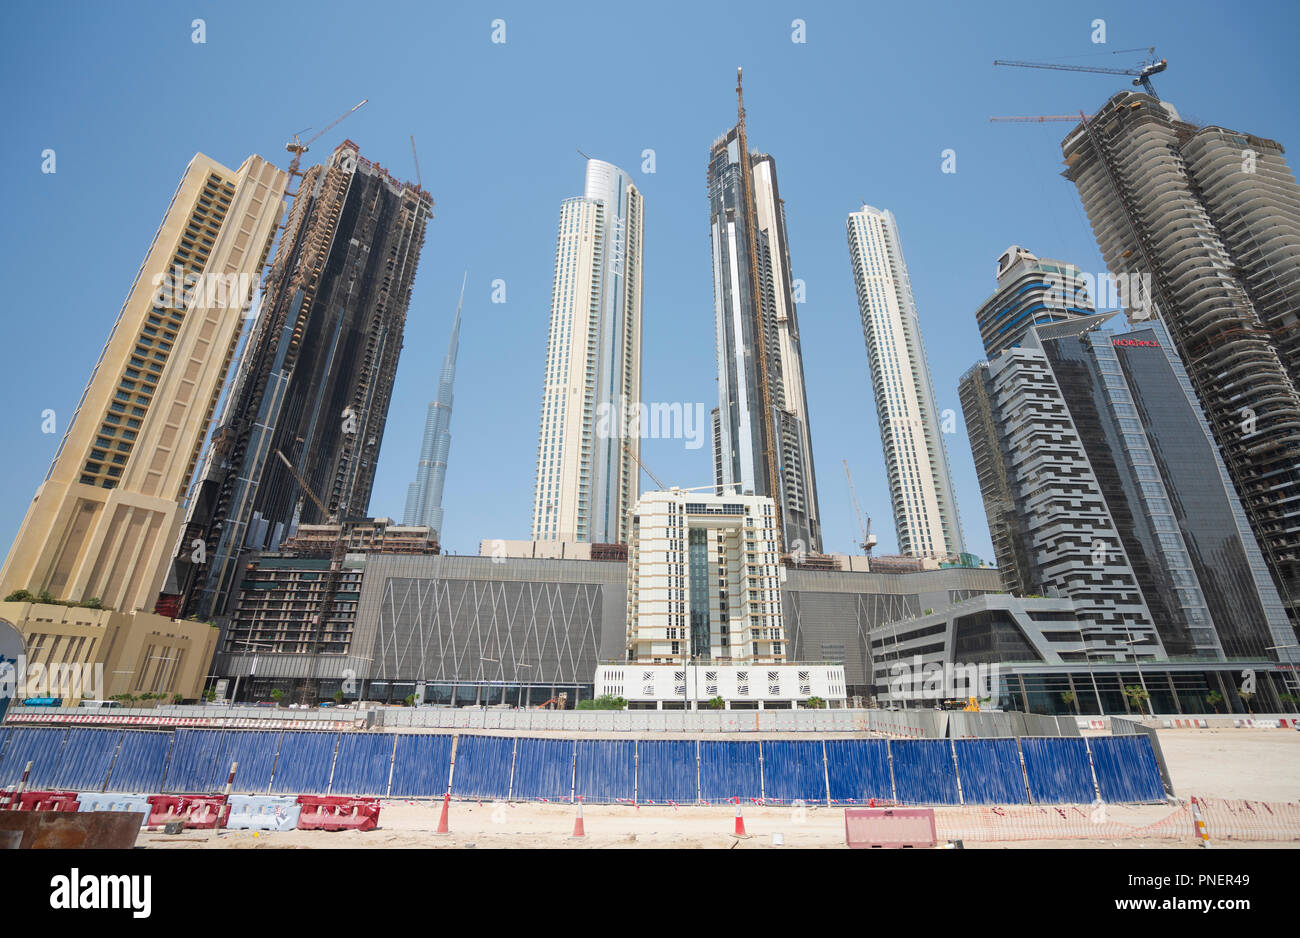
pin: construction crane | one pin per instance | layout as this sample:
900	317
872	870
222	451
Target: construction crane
335	572
1036	119
1143	74
627	447
868	539
298	147
419	183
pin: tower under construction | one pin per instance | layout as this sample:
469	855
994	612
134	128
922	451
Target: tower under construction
1213	217
314	382
762	440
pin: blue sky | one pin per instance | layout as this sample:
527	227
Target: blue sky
859	112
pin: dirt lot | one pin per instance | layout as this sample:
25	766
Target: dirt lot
1256	764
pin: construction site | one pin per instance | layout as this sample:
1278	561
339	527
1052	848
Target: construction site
554	778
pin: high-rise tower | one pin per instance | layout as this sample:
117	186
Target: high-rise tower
916	460
424	495
315	378
761	433
1213	217
103	522
589	439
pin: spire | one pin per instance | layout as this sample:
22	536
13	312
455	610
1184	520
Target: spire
424	495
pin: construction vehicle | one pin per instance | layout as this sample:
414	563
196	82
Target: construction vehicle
559	700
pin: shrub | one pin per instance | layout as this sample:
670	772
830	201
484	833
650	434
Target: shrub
20	596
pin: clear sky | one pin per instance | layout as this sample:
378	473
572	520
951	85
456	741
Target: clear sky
861	111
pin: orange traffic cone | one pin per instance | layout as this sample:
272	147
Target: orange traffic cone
740	821
442	821
578	830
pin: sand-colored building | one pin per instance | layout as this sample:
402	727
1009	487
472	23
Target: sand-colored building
106	518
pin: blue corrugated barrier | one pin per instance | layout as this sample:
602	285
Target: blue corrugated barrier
40	747
304	762
793	771
421	765
924	772
605	770
666	771
729	770
87	756
197	763
543	770
858	770
140	761
363	764
990	771
482	768
1126	768
1057	769
254	750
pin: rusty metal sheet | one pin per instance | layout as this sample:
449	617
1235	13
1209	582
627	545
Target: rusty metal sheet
61	830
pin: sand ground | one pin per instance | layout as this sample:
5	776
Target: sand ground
1256	764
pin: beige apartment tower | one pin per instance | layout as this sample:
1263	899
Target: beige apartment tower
104	522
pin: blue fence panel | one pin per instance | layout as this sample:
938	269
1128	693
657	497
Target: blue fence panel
924	772
1057	769
793	770
606	770
543	770
40	747
363	764
666	771
482	767
729	770
990	771
1126	768
86	758
198	762
4	739
254	750
302	767
858	770
140	762
421	765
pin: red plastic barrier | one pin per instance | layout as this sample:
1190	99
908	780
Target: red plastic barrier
48	801
197	811
337	813
889	827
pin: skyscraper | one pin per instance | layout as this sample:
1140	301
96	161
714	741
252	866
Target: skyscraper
424	495
103	522
1119	493
916	460
1213	216
762	438
315	378
589	439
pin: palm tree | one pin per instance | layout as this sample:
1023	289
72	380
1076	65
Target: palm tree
1137	696
1068	698
1214	698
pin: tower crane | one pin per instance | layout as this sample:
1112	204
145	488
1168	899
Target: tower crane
868	539
297	147
333	575
1143	74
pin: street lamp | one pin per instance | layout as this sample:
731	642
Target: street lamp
518	664
234	696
